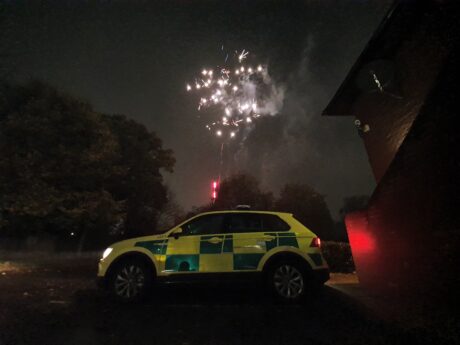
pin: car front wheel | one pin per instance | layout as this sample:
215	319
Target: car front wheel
130	280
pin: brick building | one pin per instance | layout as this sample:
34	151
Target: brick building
404	92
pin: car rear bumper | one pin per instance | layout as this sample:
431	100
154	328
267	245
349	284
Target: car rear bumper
320	276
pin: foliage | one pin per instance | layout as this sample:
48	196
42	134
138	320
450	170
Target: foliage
135	178
309	207
170	214
354	203
338	256
65	168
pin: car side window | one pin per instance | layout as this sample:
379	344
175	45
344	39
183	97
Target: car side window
204	225
244	222
271	222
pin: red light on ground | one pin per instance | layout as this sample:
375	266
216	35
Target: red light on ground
214	195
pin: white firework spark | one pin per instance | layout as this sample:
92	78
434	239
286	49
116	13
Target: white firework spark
242	55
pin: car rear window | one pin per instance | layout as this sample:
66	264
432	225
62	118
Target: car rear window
272	222
255	222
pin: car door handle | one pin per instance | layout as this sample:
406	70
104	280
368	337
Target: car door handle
269	238
215	240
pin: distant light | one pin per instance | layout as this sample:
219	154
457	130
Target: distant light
248	120
259	68
242	69
72	234
214	190
227	111
198	86
250	70
204	72
237	72
235	88
232	134
189	87
219	133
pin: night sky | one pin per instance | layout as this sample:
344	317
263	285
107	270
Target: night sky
135	57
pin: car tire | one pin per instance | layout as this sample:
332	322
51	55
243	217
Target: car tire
287	281
130	280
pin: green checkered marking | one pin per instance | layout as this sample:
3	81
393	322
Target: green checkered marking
246	261
287	239
228	244
157	247
182	263
273	243
210	248
282	239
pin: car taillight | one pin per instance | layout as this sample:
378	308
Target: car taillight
315	242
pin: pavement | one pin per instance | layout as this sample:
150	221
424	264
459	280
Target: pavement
54	300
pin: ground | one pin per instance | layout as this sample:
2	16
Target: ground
54	300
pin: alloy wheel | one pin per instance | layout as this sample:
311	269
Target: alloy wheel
288	281
129	281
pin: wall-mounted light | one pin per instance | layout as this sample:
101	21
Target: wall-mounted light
362	128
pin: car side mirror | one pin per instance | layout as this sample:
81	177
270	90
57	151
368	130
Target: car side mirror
176	233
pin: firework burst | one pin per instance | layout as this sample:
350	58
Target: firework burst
240	92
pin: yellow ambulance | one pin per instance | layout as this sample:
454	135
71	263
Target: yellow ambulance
234	245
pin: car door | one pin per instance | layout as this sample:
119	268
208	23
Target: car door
198	248
249	240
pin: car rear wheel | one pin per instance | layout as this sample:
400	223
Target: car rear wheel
287	281
130	280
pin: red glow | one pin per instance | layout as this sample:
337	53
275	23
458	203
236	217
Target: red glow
214	185
214	195
362	242
361	239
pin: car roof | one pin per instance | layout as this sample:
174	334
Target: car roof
246	211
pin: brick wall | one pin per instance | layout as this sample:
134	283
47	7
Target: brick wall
414	213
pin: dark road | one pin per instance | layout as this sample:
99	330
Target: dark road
56	302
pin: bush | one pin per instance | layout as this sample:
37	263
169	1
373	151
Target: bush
338	256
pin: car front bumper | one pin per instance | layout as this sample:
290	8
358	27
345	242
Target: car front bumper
101	282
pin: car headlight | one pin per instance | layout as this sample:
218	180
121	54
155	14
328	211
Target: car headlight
106	253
